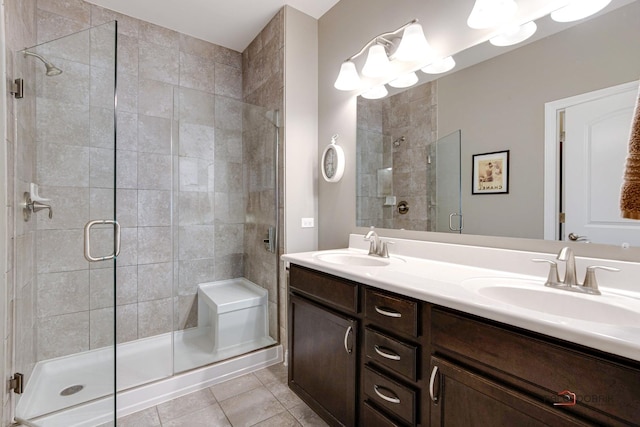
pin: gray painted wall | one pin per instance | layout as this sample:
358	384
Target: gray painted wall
301	94
511	91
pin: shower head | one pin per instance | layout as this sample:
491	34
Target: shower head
51	70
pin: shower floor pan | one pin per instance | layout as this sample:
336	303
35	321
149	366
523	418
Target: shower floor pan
139	362
64	382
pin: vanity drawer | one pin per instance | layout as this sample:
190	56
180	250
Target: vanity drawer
325	288
606	391
390	395
371	417
391	312
391	353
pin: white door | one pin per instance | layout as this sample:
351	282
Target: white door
595	148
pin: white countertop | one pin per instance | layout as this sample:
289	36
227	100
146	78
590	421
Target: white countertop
444	274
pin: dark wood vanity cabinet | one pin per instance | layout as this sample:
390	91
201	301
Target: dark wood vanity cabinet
392	357
360	356
463	398
323	360
355	352
552	382
323	344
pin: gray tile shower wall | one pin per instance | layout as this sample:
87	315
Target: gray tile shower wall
263	85
411	114
370	159
179	143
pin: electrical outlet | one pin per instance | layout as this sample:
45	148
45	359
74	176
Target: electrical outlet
307	222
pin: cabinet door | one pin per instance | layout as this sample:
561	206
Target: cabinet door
462	398
322	368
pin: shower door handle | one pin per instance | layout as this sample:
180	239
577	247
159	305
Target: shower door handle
451	227
87	240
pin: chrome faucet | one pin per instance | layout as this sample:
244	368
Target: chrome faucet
377	247
566	255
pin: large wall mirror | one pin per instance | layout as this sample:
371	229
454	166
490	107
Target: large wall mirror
498	105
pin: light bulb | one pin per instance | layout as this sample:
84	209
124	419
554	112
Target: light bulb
348	78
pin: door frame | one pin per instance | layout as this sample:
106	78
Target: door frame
551	148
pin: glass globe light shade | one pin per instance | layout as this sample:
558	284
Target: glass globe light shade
514	35
414	45
348	78
377	64
578	9
376	92
441	66
491	13
405	80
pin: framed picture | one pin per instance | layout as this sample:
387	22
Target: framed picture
490	173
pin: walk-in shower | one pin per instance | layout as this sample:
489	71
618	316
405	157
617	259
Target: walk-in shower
191	183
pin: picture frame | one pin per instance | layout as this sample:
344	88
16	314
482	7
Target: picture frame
490	173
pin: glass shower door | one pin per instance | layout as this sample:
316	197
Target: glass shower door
65	264
448	209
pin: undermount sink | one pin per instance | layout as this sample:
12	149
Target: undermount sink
344	258
530	295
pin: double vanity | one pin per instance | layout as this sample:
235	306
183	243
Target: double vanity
442	334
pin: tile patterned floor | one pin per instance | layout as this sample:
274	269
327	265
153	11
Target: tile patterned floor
260	399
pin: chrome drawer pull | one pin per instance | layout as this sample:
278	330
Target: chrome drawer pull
384	397
346	340
432	380
388	313
390	356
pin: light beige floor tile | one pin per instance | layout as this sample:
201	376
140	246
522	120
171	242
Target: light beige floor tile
145	418
211	416
306	416
284	419
184	405
251	407
272	374
234	387
283	393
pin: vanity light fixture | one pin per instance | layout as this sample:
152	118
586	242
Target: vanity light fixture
578	9
414	45
348	79
376	92
377	64
406	80
382	51
514	34
441	66
491	13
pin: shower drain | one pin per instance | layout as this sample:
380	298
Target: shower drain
71	390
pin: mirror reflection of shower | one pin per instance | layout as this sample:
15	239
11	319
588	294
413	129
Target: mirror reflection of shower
397	141
51	70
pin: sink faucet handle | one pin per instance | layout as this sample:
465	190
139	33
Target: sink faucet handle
590	282
553	277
